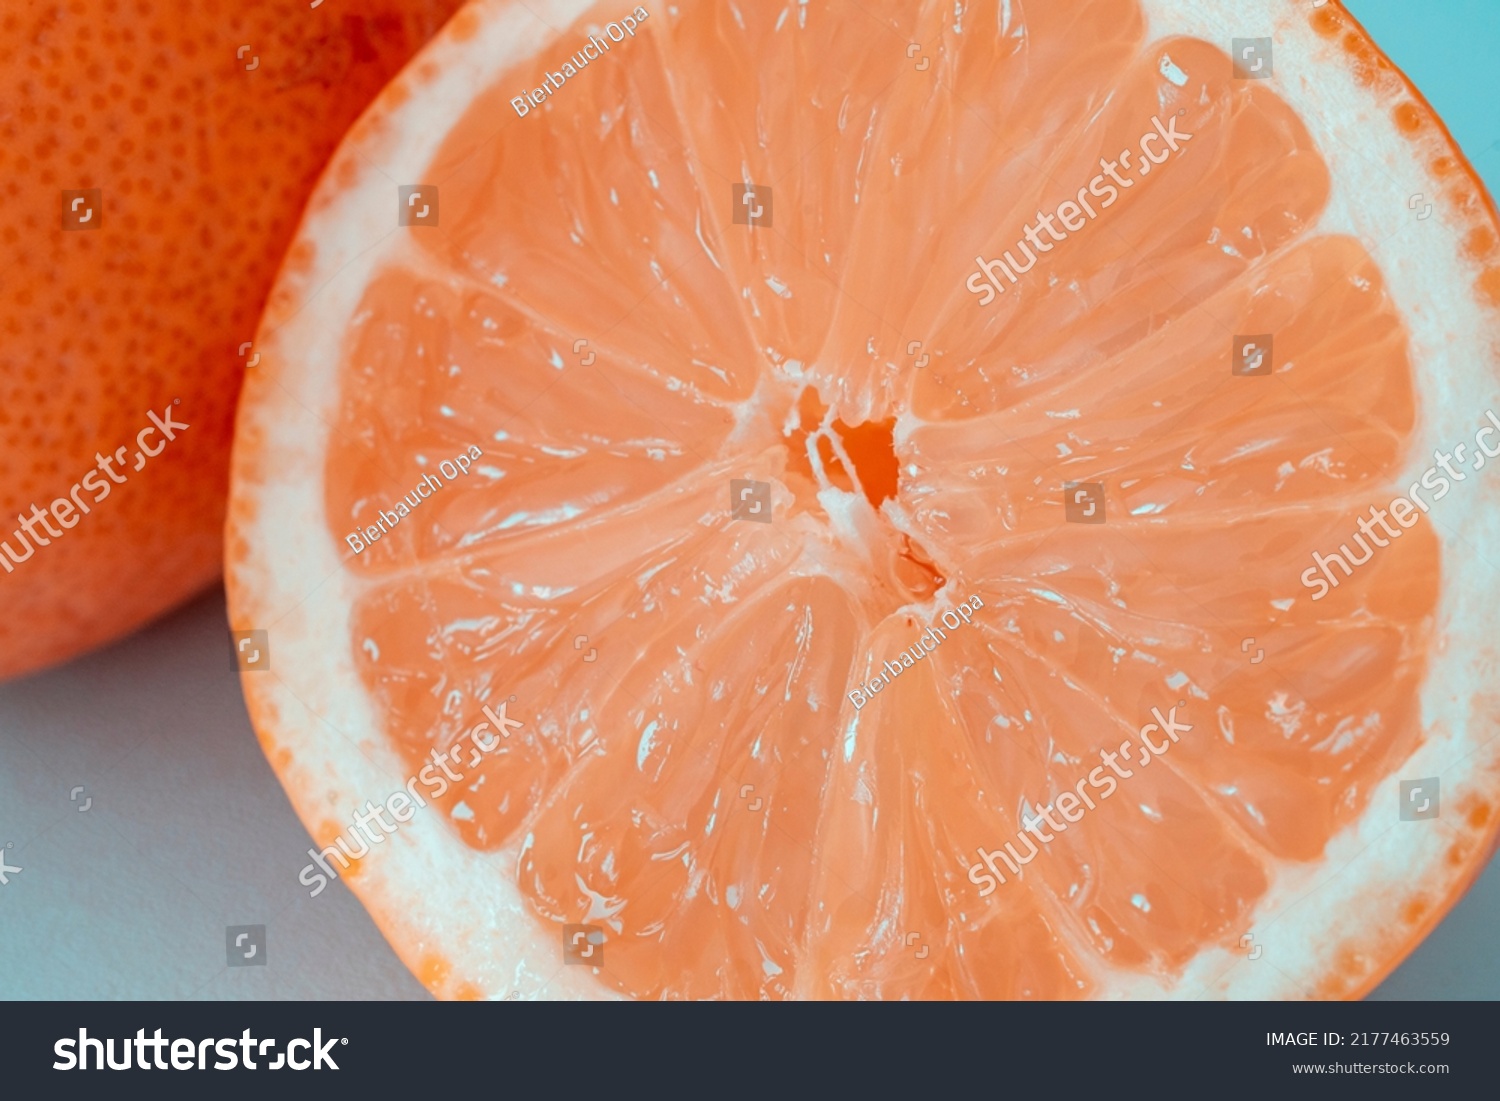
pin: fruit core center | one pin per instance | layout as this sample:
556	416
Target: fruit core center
858	458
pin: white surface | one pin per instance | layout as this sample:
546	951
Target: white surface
188	832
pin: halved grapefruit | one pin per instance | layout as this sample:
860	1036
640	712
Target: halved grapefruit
714	462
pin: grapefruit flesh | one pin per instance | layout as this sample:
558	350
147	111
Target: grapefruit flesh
719	789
